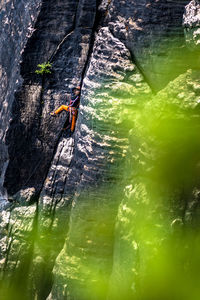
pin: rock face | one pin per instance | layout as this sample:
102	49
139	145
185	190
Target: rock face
153	33
17	21
78	199
191	22
59	32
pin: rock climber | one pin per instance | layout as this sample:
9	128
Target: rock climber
72	108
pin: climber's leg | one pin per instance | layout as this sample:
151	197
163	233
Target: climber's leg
73	121
61	108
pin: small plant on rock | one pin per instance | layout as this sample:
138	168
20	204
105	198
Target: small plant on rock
45	68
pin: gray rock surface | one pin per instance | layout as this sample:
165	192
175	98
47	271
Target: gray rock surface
63	38
153	33
101	146
191	22
17	21
73	216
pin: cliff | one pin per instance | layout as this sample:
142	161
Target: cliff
73	205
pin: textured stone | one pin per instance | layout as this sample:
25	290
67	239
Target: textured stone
24	196
58	174
17	20
60	36
100	153
119	53
153	33
191	22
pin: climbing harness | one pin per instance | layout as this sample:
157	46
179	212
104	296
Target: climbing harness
75	101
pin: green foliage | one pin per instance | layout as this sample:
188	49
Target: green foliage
45	68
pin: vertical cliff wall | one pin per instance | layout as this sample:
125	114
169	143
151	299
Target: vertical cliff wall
73	195
63	38
66	43
17	22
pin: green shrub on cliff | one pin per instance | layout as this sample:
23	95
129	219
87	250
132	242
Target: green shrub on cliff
45	68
